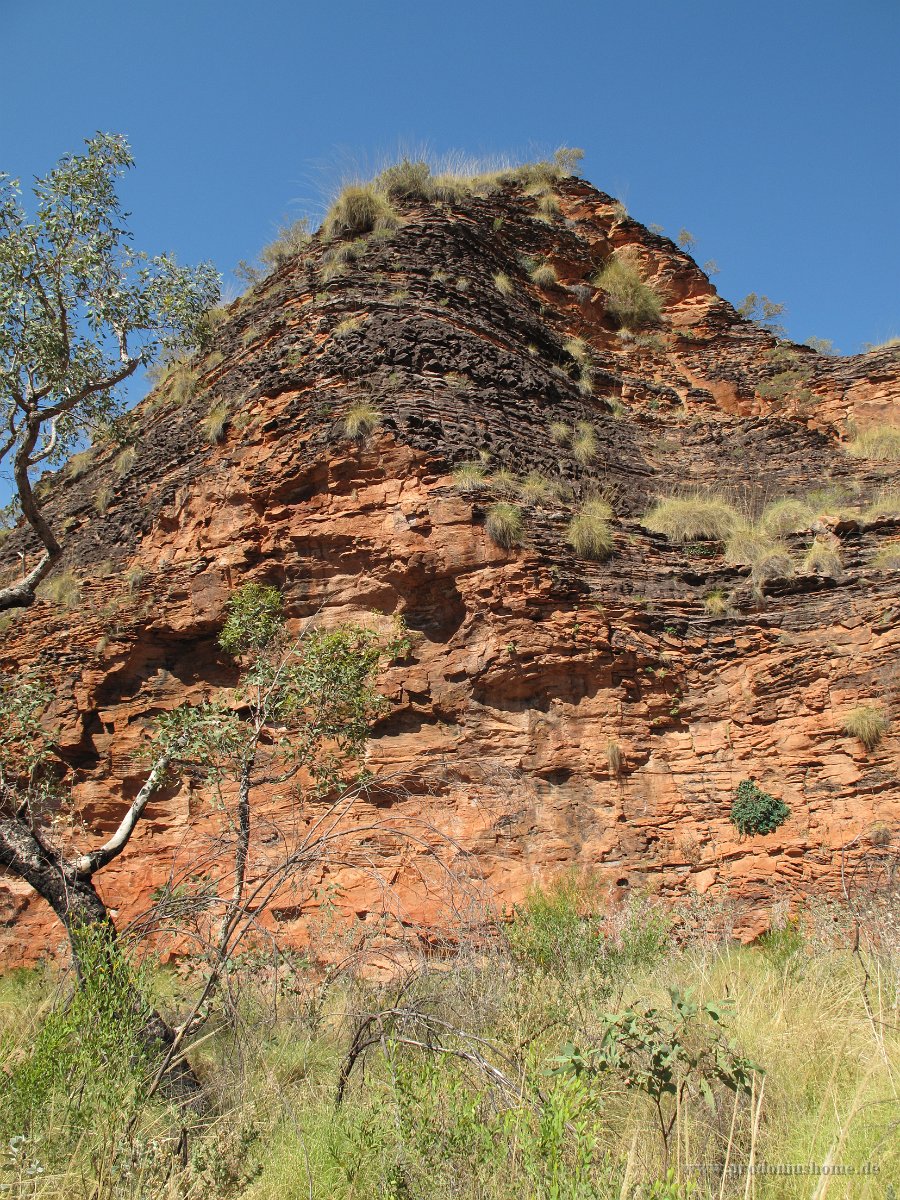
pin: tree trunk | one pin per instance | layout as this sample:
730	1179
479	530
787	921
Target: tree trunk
82	913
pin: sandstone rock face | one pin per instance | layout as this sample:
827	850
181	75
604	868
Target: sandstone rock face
551	711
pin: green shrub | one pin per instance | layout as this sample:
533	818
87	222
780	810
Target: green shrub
869	723
686	518
755	811
505	525
589	532
360	208
361	419
631	302
584	442
469	477
880	443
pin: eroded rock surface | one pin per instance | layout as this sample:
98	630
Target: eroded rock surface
551	711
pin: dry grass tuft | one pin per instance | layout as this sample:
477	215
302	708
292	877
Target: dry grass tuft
503	284
880	443
584	442
536	489
360	208
213	424
543	275
787	516
469	477
589	533
631	302
888	558
823	558
560	432
695	515
505	526
63	589
361	419
868	722
124	461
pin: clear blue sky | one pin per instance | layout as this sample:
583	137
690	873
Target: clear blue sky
769	128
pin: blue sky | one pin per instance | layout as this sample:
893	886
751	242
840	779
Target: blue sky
769	129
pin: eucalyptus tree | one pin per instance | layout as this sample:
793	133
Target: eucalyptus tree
80	311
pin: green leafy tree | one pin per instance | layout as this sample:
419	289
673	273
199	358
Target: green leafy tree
80	311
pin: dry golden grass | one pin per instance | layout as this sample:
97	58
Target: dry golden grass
632	302
868	722
880	443
693	515
505	525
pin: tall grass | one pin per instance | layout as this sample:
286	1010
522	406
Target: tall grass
459	1091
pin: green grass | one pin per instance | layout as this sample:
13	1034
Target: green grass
419	1120
880	443
694	515
504	525
633	303
868	722
589	532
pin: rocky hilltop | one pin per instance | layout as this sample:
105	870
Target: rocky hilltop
552	708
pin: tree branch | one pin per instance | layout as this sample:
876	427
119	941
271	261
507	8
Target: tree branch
87	864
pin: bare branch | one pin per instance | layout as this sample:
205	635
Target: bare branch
87	864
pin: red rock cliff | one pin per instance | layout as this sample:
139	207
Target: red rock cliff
527	664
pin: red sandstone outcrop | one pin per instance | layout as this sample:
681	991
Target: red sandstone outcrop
525	665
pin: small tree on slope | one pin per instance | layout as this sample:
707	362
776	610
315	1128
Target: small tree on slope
80	311
302	707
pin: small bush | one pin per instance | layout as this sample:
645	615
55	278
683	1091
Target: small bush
543	275
469	477
881	443
589	533
686	518
213	424
631	302
360	208
103	498
885	505
79	464
503	284
787	516
560	432
869	723
584	442
755	811
504	525
361	419
823	558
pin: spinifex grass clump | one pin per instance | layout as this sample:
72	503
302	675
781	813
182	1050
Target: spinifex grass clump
504	525
633	303
686	518
755	811
868	722
880	443
589	532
